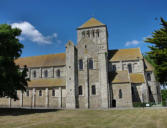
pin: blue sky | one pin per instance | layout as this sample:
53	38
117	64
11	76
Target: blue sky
47	25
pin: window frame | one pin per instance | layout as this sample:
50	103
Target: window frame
53	92
46	73
120	94
80	90
93	90
34	74
40	93
130	70
90	64
81	64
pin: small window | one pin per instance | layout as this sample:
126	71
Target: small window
27	93
83	34
90	63
132	88
40	92
130	68
53	92
46	73
81	64
93	90
97	33
120	94
114	68
148	76
34	74
80	90
58	73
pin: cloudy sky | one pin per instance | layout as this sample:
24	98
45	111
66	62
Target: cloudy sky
47	25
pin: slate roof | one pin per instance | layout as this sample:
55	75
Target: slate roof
120	77
42	61
136	78
125	54
91	23
52	82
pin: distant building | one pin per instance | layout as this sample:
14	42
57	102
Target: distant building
88	75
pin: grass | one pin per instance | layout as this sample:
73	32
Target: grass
129	118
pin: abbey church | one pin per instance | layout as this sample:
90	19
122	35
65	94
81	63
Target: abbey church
87	75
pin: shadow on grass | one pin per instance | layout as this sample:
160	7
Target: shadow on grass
23	111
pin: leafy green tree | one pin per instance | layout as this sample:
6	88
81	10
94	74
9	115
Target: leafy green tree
11	78
158	53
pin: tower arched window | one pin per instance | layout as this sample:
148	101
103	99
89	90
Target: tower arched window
93	90
93	33
53	92
88	33
148	76
120	94
58	73
97	33
130	68
40	92
90	63
80	90
46	73
83	34
34	74
81	64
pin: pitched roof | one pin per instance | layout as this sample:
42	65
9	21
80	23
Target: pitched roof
125	54
91	23
120	77
43	60
136	78
47	82
149	67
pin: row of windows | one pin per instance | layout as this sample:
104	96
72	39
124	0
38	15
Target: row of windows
46	73
91	33
40	92
93	90
90	64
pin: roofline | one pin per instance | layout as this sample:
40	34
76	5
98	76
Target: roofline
125	49
79	28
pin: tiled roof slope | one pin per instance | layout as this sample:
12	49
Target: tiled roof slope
47	82
120	77
149	67
125	54
136	78
91	23
43	60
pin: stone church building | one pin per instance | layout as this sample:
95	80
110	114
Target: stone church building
88	75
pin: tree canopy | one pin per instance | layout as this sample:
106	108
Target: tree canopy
11	77
158	52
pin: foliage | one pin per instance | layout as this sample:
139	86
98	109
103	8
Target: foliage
158	52
164	97
11	79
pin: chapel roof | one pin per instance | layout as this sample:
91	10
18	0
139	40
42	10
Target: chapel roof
136	78
125	54
50	82
92	22
149	67
42	61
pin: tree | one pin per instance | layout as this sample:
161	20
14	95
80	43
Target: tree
11	78
158	52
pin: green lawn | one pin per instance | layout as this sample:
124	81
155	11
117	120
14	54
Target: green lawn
130	118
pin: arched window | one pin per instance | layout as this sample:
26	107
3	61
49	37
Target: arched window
58	73
114	68
97	33
148	76
80	90
88	33
53	92
120	94
93	33
93	90
34	74
27	93
130	68
90	64
83	34
81	64
40	92
46	73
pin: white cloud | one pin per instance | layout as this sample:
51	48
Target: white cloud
133	42
31	33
